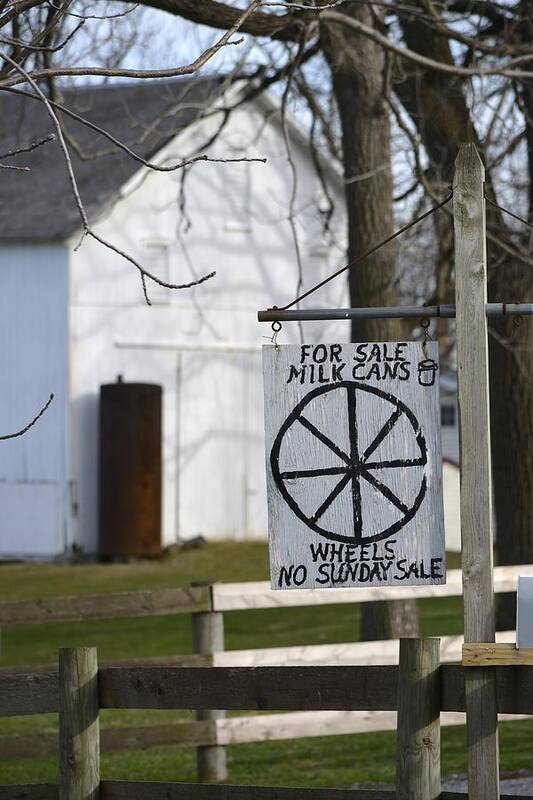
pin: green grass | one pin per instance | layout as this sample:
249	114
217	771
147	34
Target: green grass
330	761
222	561
123	638
228	561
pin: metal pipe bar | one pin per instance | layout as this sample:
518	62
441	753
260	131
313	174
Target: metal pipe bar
509	309
394	312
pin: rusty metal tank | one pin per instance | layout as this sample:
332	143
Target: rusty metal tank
130	469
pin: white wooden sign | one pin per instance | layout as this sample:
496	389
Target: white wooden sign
354	465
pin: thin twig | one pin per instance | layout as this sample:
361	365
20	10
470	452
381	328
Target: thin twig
28	148
40	48
144	272
30	424
17	169
83	17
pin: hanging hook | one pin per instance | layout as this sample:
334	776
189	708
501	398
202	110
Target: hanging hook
276	328
424	324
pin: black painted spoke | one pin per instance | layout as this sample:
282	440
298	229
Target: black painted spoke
354	458
414	462
385	430
385	491
323	438
331	497
313	473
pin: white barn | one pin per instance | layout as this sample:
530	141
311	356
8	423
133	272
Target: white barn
74	318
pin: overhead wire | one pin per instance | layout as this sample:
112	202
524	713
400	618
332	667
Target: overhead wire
506	211
368	253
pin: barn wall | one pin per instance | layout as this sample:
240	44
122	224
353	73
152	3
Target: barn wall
450	433
34	496
203	345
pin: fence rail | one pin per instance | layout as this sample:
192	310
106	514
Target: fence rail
337	654
258	689
154	603
130	790
229	597
374	688
240	596
208	602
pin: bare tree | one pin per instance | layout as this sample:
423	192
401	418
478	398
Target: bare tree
439	71
496	115
31	35
424	74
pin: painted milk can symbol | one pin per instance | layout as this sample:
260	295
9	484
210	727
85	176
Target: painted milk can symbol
350	461
427	371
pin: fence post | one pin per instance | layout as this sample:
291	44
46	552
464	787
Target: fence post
208	638
418	737
79	733
476	478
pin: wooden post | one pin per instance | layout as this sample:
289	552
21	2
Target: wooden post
418	737
79	734
476	480
208	638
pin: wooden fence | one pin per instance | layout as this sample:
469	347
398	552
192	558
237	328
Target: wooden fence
80	689
211	732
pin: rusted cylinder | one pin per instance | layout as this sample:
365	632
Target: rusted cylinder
130	469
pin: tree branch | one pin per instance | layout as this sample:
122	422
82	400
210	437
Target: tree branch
504	70
187	69
283	27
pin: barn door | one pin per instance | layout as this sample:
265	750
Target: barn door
219	444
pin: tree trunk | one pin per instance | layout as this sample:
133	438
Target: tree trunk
438	108
512	389
358	69
511	366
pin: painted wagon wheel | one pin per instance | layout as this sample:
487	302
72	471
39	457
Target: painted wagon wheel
353	467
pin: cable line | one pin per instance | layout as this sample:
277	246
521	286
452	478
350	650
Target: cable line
366	255
511	213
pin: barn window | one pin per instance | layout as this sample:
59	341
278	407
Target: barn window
447	415
156	261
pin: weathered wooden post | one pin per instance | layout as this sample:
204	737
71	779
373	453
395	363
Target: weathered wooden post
476	487
208	638
79	734
418	736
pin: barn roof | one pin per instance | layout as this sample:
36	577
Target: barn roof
38	206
